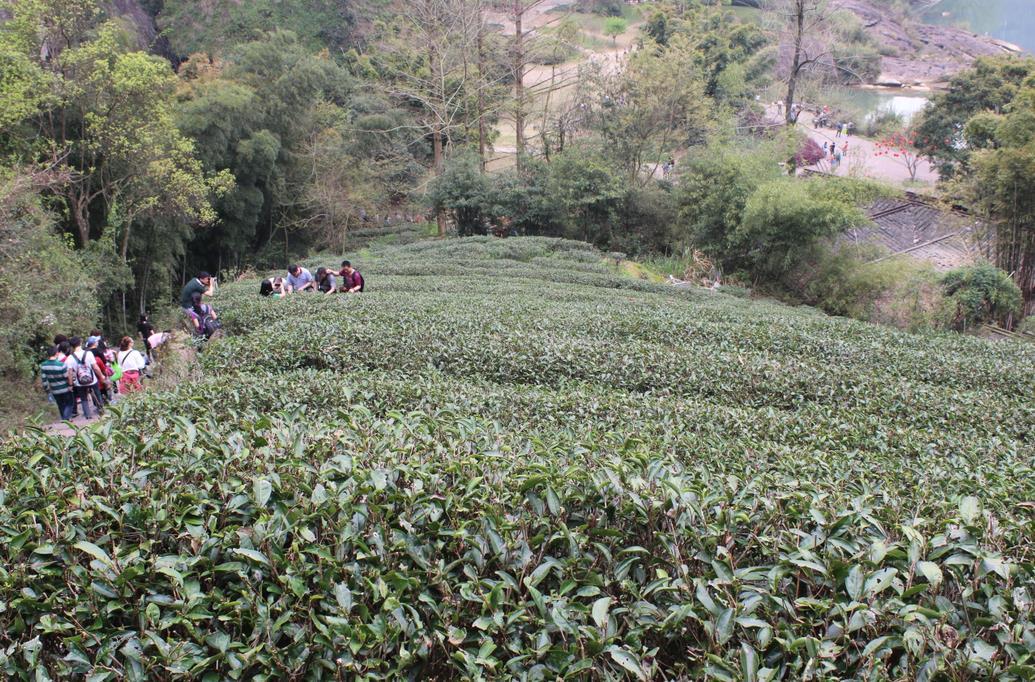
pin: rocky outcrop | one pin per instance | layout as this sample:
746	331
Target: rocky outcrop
921	54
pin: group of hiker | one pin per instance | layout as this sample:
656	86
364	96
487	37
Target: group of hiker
834	153
346	280
82	376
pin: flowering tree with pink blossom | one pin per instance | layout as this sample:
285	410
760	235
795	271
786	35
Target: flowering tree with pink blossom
900	146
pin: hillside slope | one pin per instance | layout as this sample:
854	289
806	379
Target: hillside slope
507	461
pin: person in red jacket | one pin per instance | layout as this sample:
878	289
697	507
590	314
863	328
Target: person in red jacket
352	281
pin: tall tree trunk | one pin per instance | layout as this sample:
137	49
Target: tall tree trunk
440	216
124	247
80	211
482	134
519	80
792	81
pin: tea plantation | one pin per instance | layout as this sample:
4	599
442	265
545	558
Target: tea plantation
506	461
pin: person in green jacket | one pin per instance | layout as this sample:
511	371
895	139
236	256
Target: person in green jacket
202	284
54	374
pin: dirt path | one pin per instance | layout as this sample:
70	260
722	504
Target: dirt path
863	161
172	364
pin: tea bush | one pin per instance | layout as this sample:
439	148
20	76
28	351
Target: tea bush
505	461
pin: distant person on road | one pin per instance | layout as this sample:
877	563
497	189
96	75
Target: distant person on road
844	149
352	281
325	281
57	380
132	363
300	279
202	284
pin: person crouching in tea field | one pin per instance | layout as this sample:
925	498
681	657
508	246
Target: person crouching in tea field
274	286
352	281
300	279
203	317
325	281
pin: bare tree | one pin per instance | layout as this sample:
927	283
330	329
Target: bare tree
525	47
805	19
427	58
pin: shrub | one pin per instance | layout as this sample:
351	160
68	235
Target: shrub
809	154
782	221
980	294
900	292
464	192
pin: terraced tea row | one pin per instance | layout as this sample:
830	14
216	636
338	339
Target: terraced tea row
505	461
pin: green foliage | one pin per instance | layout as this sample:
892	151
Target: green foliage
45	286
655	105
989	86
587	194
980	294
782	220
615	26
517	464
464	192
607	8
718	43
259	119
1001	176
217	26
898	292
714	190
738	208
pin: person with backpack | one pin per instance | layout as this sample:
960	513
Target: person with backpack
84	371
57	381
132	363
105	386
204	318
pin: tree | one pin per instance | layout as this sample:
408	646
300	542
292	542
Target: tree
901	147
989	86
1001	185
215	27
979	294
715	186
105	115
63	291
429	60
614	27
464	192
255	116
805	18
734	57
655	104
524	46
783	220
587	194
